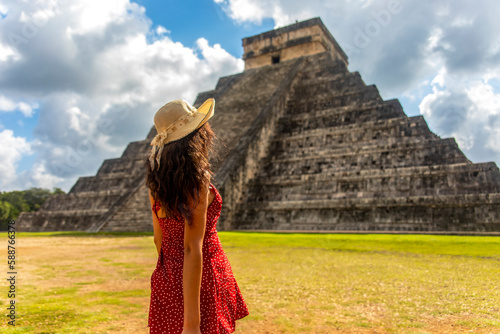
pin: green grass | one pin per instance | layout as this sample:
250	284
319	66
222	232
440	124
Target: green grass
81	234
292	283
477	246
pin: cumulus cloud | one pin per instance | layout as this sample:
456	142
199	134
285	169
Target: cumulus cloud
451	113
243	10
439	53
96	72
12	150
7	104
470	114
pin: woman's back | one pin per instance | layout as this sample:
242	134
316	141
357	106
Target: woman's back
221	302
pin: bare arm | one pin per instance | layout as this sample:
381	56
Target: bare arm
193	263
158	235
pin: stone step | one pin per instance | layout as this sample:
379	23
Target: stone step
322	67
404	144
429	152
384	132
130	221
260	81
337	83
292	124
392	182
137	149
304	109
332	148
132	166
109	181
334	99
472	212
304	80
89	200
223	84
490	167
60	220
349	203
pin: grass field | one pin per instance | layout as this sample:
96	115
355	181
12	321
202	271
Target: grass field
292	283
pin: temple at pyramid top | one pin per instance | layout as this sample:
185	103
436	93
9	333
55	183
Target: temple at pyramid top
303	144
296	40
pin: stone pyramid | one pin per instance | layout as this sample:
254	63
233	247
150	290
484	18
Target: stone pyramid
304	145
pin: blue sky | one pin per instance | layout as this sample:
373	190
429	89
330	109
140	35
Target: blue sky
68	67
191	19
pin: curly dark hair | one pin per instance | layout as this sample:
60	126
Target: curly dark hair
184	168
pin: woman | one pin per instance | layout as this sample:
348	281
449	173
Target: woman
193	289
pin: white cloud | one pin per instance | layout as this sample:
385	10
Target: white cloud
7	52
468	111
488	110
95	15
77	119
9	105
101	80
216	58
483	96
12	149
244	10
162	30
440	78
42	178
3	10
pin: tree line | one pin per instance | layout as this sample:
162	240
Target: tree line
12	203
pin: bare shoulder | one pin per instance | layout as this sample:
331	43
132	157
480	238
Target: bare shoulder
151	198
207	195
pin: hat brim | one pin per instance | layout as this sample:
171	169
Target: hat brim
207	110
203	114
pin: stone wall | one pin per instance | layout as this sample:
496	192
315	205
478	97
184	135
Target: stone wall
294	41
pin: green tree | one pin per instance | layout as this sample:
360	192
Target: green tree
12	203
58	191
35	197
6	210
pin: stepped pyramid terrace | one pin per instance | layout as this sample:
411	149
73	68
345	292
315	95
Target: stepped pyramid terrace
307	145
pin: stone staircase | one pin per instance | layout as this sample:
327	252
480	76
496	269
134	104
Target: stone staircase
116	198
344	159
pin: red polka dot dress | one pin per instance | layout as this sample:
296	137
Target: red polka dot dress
221	302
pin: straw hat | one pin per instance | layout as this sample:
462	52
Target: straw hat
175	120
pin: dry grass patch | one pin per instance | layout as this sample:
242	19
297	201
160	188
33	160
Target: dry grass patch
75	283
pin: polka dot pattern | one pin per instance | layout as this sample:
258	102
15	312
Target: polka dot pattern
221	301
